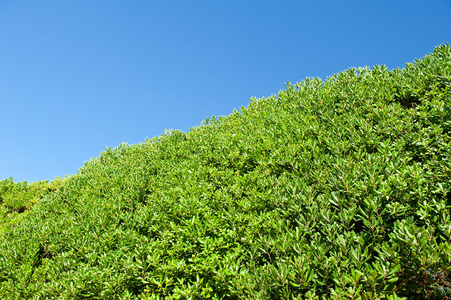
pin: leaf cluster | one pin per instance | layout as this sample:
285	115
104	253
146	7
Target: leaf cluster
16	199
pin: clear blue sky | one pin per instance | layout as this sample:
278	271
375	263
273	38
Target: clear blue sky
79	76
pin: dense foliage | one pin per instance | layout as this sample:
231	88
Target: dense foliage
335	189
17	198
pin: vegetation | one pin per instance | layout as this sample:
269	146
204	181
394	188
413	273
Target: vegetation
335	189
17	198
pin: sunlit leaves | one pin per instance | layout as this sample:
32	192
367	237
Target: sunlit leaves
333	189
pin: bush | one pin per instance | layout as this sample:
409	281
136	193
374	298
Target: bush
331	189
17	198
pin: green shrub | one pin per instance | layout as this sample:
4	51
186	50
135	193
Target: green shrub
335	189
16	199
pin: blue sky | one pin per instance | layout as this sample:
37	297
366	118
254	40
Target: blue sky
79	76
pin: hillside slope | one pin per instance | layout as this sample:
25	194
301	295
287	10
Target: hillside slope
331	189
